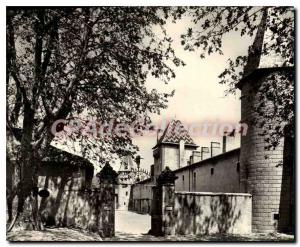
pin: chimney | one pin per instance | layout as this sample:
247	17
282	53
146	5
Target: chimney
228	138
181	154
195	157
215	148
204	152
224	144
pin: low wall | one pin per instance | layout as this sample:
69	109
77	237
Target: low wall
72	203
91	210
141	206
140	200
208	213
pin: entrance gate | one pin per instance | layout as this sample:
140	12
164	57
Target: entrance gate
162	214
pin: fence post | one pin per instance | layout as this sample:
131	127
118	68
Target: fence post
162	213
108	179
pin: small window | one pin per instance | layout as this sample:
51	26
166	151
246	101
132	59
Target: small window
276	216
182	177
194	182
238	167
126	193
124	185
125	203
211	171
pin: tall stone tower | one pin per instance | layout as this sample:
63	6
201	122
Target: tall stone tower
125	180
270	184
173	149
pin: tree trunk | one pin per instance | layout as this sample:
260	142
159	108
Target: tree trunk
27	189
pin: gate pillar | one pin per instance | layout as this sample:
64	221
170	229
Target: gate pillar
108	179
162	213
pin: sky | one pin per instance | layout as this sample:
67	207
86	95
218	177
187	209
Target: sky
198	96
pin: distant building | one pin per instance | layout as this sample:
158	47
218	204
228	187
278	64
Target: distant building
125	180
173	148
128	175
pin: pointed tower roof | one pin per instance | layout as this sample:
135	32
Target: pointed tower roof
174	133
258	59
126	164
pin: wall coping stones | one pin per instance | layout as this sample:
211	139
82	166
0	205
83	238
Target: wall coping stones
212	193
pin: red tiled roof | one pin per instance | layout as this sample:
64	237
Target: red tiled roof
174	133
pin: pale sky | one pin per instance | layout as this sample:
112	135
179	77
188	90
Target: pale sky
198	96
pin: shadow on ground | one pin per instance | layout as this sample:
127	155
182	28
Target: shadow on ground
66	234
55	234
121	236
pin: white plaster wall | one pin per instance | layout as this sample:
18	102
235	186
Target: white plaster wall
208	213
123	196
170	157
226	177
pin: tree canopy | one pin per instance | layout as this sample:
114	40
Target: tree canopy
61	61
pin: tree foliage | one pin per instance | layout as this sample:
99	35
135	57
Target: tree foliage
211	24
61	61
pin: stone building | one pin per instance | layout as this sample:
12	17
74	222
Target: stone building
128	175
219	173
271	184
195	172
173	149
125	180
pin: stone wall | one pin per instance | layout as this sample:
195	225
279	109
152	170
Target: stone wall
141	197
208	213
74	208
72	202
217	174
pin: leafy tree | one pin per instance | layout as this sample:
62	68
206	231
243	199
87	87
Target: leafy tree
211	24
61	61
